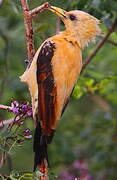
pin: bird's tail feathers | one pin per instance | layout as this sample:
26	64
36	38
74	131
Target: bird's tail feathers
40	146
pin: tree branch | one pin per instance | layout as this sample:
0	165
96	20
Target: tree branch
99	45
28	29
28	16
111	42
39	9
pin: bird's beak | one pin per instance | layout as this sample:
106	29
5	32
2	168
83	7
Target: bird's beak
58	11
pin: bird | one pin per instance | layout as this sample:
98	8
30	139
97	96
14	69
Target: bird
53	73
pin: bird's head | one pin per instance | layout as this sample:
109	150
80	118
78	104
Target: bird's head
79	24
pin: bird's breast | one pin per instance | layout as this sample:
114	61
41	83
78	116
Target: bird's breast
66	67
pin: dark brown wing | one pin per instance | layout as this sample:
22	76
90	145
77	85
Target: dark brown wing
46	87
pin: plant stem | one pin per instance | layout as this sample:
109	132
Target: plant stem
12	146
4	107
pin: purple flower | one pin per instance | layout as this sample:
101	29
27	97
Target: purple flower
77	165
26	132
79	169
89	177
21	109
24	107
14	110
28	137
14	104
66	175
29	113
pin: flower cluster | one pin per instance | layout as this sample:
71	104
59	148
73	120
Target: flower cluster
27	133
78	170
21	109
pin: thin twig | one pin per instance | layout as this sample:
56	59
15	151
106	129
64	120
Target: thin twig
108	40
99	45
5	107
39	9
58	25
2	160
111	42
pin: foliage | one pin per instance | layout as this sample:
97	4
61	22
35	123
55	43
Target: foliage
88	129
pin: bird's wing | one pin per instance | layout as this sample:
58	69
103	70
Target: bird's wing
46	87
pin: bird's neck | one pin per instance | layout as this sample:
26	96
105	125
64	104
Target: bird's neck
80	38
71	37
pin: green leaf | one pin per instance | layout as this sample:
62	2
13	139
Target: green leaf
112	97
78	92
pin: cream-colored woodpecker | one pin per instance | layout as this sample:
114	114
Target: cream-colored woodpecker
53	73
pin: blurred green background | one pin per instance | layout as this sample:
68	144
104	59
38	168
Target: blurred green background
87	132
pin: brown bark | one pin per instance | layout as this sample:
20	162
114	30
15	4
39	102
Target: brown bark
28	16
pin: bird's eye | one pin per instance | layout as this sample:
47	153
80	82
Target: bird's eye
72	17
